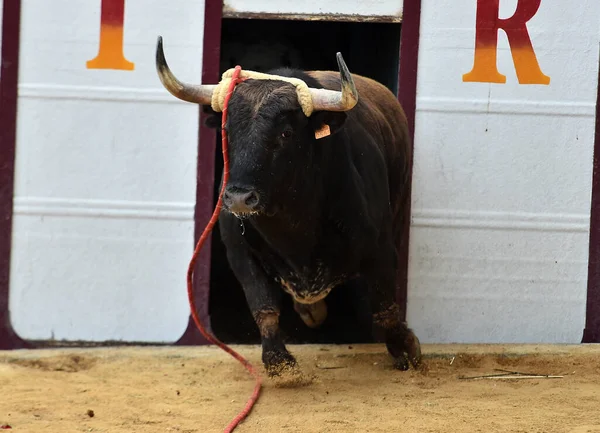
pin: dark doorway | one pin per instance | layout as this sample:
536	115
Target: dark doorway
369	49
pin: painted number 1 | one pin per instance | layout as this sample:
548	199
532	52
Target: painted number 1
488	23
110	52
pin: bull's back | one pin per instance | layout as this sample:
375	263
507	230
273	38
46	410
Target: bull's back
380	113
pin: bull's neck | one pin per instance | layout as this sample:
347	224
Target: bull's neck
299	218
294	229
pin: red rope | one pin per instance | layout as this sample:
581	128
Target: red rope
215	216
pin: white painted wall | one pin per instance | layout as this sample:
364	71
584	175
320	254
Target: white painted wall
105	175
106	160
502	180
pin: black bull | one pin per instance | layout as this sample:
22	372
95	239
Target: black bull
316	212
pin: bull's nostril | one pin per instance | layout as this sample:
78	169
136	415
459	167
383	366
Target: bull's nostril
227	199
251	200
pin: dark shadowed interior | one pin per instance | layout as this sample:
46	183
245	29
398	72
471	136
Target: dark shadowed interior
369	49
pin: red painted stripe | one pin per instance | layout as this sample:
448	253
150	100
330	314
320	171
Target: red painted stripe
8	125
112	13
515	26
407	95
591	333
213	14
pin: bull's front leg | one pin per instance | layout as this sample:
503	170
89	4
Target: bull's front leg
275	356
401	342
264	299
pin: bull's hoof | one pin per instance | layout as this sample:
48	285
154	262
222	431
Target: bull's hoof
401	363
414	350
313	315
405	348
412	346
287	374
281	369
278	363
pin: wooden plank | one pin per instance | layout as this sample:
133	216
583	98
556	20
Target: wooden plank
315	10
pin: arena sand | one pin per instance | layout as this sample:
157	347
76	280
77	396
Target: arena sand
347	389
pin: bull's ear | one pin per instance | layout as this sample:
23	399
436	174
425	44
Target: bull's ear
326	123
213	119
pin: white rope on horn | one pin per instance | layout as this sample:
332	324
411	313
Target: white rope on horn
302	90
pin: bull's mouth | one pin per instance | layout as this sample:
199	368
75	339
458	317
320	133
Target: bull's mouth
244	214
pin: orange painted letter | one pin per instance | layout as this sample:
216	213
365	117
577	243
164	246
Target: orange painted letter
110	54
485	69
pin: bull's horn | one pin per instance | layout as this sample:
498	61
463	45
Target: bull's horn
198	94
331	100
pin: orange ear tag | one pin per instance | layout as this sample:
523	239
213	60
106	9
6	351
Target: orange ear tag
323	131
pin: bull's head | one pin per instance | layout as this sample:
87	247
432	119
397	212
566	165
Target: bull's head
273	125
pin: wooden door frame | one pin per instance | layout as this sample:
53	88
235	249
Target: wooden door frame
407	77
11	23
205	174
591	333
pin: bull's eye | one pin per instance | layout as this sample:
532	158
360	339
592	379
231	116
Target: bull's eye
287	133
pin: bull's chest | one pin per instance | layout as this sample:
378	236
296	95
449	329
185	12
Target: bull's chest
310	285
308	271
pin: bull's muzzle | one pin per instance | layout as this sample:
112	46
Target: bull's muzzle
241	201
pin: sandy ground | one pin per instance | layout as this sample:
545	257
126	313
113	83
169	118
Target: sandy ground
352	389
